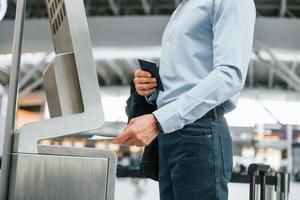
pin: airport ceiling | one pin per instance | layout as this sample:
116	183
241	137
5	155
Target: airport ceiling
116	66
36	8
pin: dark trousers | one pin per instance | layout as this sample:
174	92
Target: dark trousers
195	163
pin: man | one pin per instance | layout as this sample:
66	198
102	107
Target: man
206	49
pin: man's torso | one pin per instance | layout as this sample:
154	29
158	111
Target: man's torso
187	50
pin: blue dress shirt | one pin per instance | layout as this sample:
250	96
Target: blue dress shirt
206	49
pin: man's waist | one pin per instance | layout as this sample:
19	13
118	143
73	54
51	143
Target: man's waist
215	113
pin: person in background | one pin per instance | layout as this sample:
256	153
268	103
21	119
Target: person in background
206	49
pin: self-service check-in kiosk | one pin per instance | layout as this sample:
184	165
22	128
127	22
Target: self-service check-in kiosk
37	172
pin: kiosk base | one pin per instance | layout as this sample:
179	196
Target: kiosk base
61	177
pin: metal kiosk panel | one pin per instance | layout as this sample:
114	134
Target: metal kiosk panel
39	172
63	173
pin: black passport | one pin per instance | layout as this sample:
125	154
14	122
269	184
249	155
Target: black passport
152	68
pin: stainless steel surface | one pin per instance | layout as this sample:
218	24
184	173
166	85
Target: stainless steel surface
1	134
12	97
283	186
62	86
269	192
50	177
88	152
53	172
70	34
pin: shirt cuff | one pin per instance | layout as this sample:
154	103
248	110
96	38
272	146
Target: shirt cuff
152	98
169	118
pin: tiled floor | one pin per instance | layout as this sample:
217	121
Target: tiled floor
134	189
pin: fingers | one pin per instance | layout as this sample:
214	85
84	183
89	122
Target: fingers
130	136
145	89
126	134
138	80
149	86
132	142
144	83
141	73
146	93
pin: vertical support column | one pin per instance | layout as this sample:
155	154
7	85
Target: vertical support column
146	6
271	78
293	69
3	108
251	74
283	8
289	138
114	7
12	97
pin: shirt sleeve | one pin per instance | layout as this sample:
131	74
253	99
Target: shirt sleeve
233	28
153	97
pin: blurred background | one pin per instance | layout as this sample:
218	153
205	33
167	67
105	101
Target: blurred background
265	127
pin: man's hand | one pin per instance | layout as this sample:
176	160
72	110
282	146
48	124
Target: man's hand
144	83
141	131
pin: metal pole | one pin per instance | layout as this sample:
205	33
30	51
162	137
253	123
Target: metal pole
286	185
269	192
283	186
252	188
12	97
289	138
262	185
